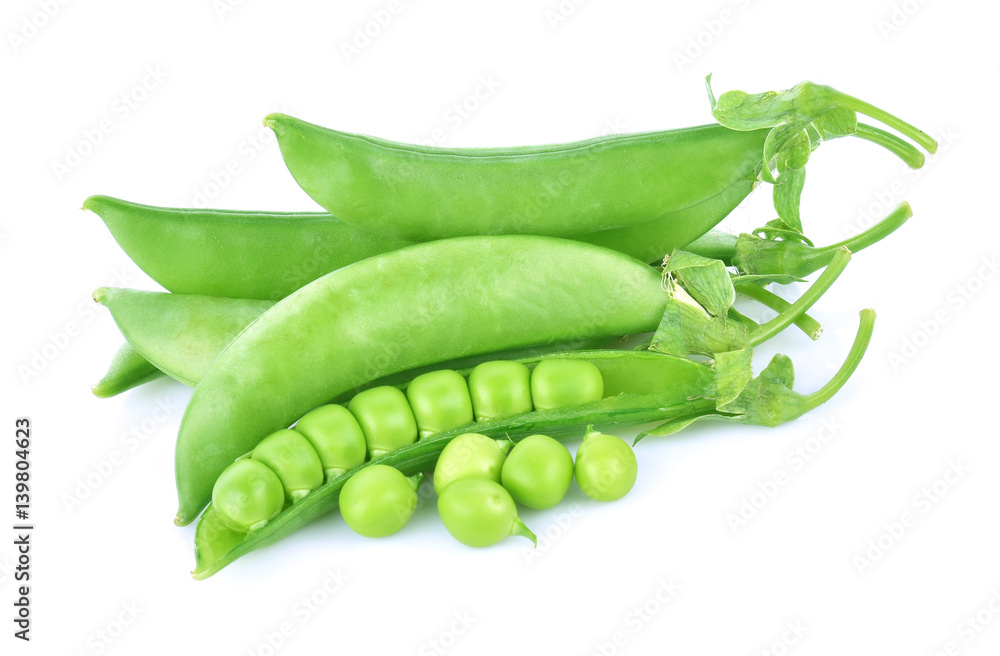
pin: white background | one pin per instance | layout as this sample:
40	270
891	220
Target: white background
604	66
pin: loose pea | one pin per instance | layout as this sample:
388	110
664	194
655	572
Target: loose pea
479	513
337	437
605	467
289	455
538	472
378	500
247	495
471	454
500	389
563	383
386	419
440	401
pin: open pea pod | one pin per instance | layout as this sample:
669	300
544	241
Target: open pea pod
640	387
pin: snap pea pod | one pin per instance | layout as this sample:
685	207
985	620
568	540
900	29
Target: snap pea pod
430	302
182	334
639	386
268	255
160	325
421	193
128	369
179	334
262	255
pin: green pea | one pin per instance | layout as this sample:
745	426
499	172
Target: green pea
337	438
479	512
605	467
378	500
248	495
386	419
500	389
471	454
538	472
564	383
289	455
440	401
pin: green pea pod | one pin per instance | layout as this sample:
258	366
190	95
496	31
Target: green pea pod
436	301
263	255
180	334
421	193
128	369
268	255
640	387
185	333
212	252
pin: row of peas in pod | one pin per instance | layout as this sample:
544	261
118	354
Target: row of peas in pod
477	480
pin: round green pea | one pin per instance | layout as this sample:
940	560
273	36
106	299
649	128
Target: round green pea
471	454
564	383
439	401
479	512
247	495
386	419
336	436
500	389
538	472
378	500
289	455
605	467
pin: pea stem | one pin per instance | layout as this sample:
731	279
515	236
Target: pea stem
874	234
854	356
868	109
768	299
804	302
520	529
901	148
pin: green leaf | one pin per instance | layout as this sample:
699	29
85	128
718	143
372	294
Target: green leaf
705	279
669	336
787	196
837	122
733	371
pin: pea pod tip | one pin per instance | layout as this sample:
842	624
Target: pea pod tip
274	121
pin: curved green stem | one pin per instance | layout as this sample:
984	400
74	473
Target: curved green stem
804	302
803	322
755	255
714	244
864	336
901	148
894	122
874	234
520	529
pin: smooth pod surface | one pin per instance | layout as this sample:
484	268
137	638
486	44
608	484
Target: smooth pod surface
180	334
128	369
262	255
413	307
420	193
